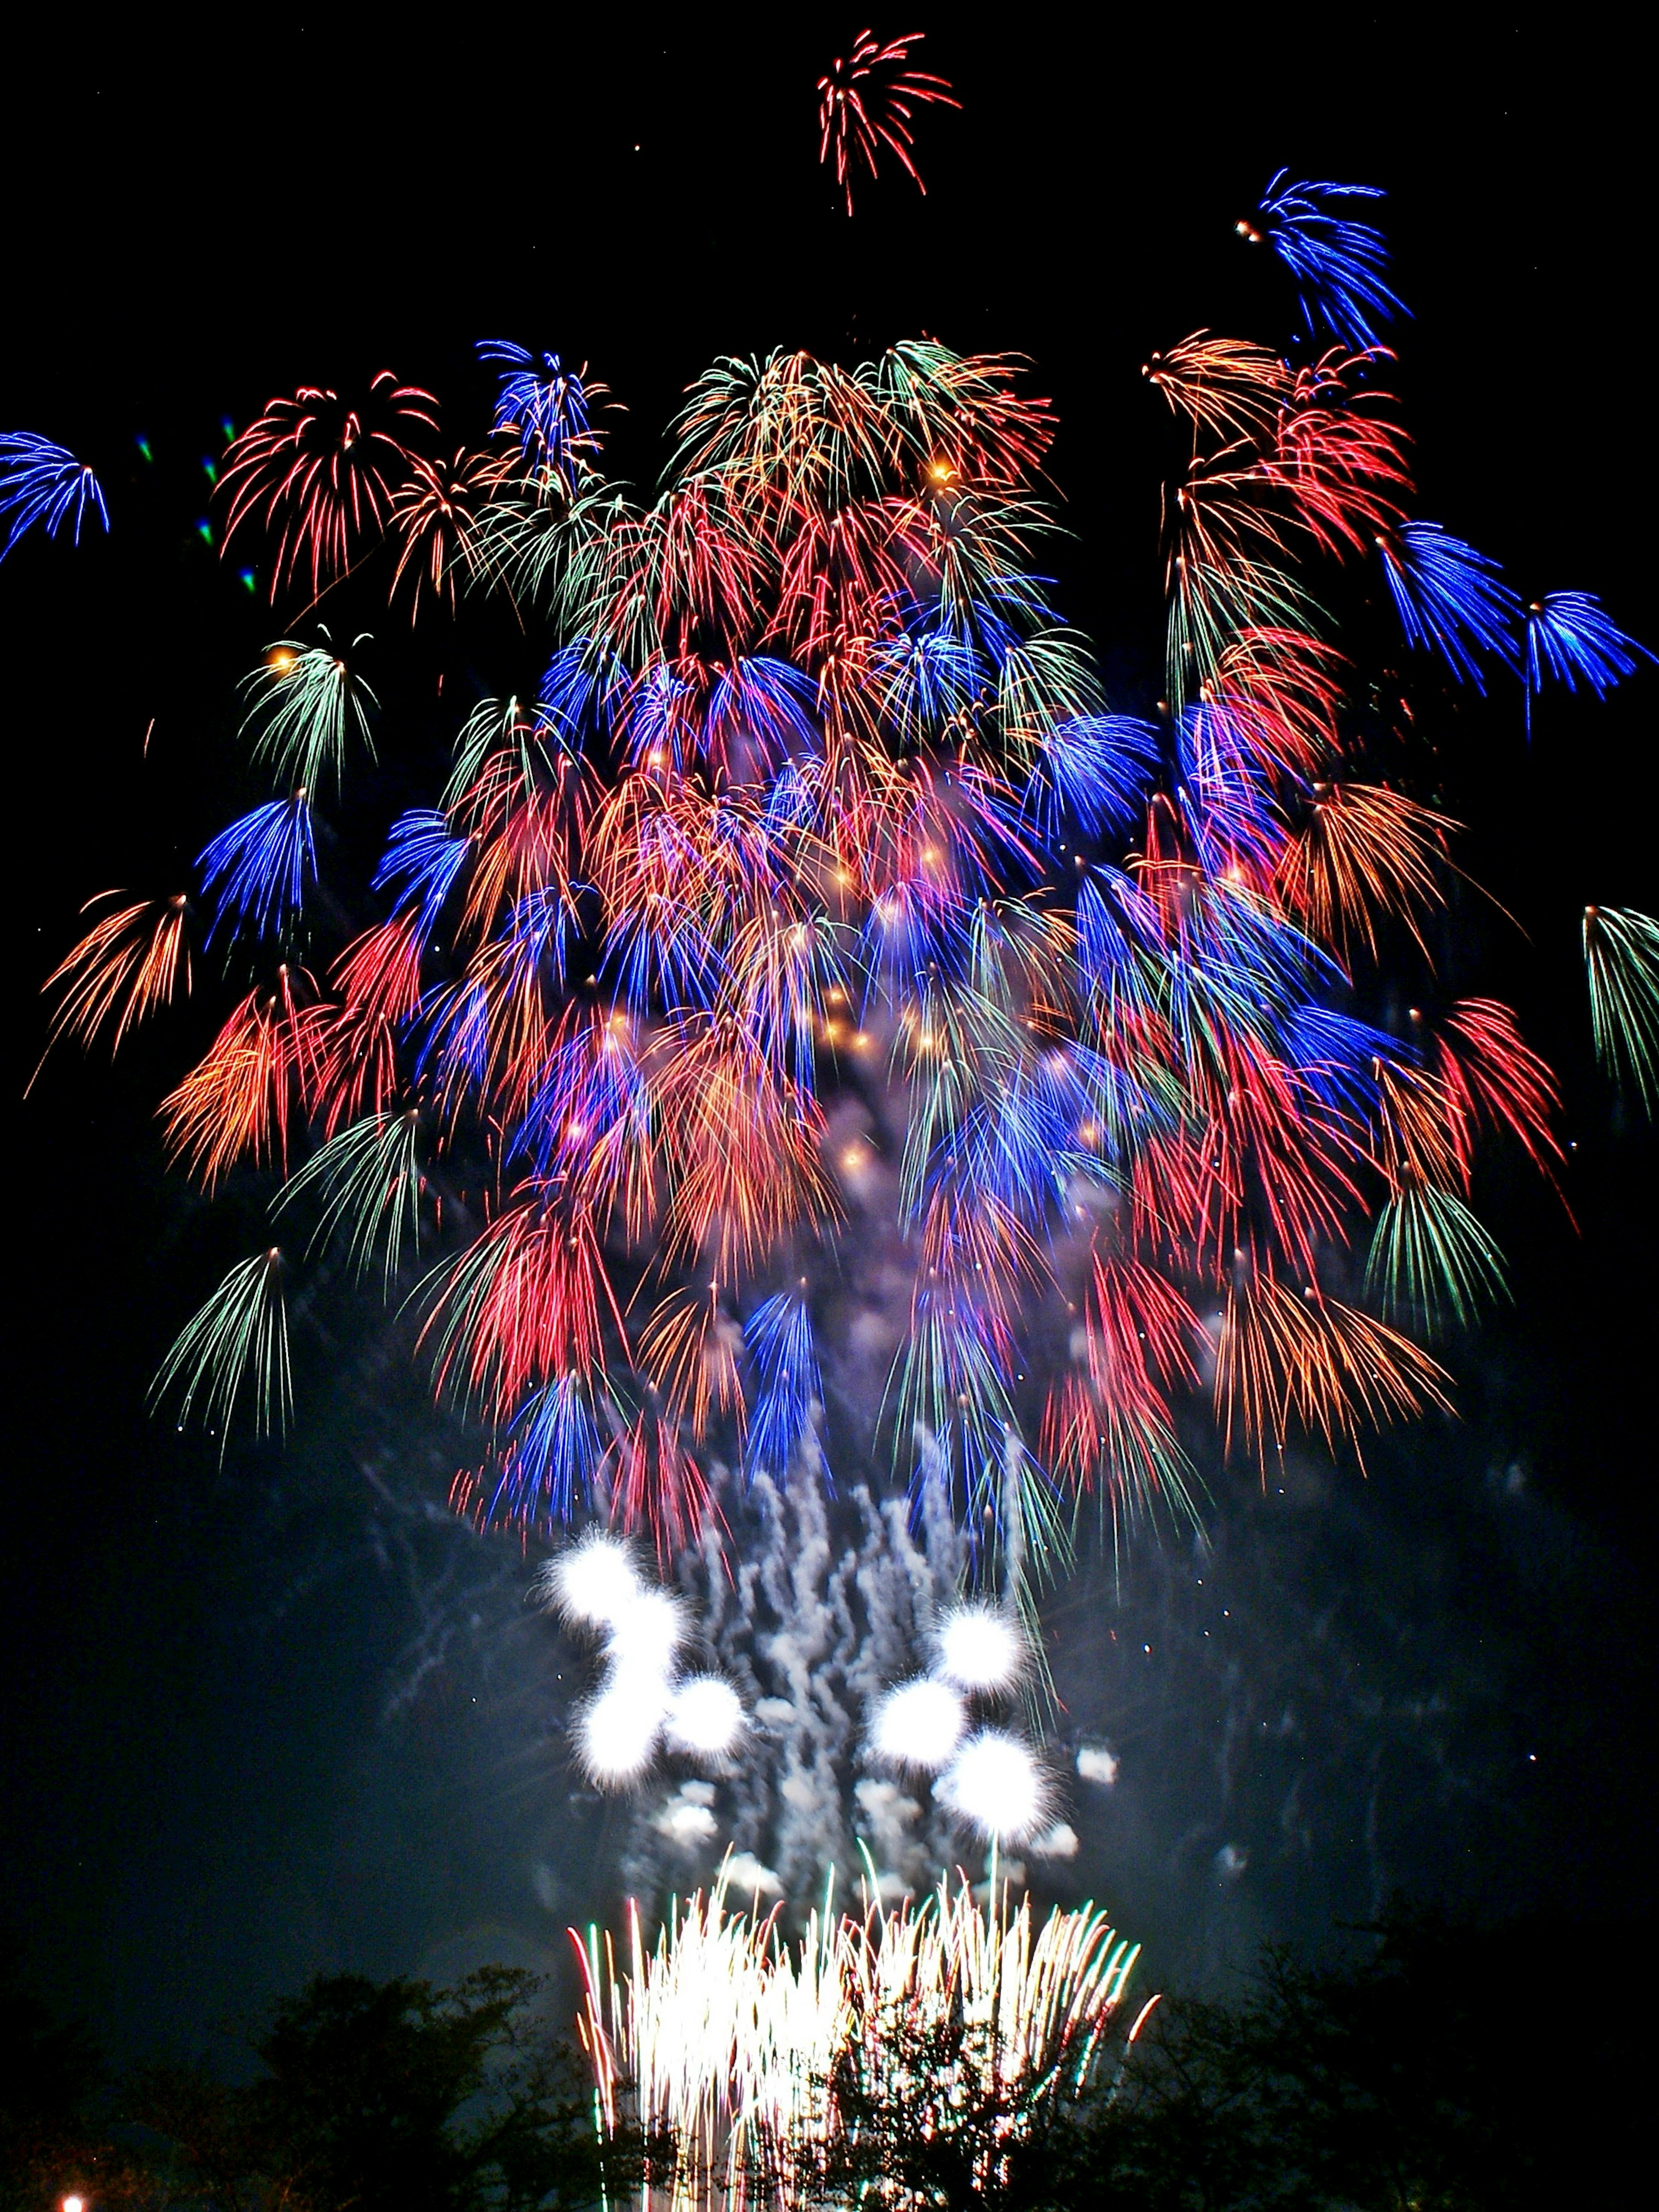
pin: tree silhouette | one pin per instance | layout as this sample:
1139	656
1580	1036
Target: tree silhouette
1411	2079
49	2070
391	2096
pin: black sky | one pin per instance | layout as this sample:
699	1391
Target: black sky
284	1716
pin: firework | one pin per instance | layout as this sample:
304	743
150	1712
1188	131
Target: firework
1450	598
41	482
645	1636
705	1717
548	408
1430	1256
256	1078
129	963
778	1336
261	866
1571	640
320	472
726	2039
1363	851
235	1350
980	1649
1621	958
643	1705
1230	387
436	514
303	701
591	1583
865	101
617	1731
918	1724
821	943
369	1178
1338	264
999	1787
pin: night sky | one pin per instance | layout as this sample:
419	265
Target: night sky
285	1714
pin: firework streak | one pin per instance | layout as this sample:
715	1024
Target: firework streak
865	102
820	960
727	2037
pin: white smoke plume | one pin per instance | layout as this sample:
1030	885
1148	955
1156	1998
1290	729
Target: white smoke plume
812	1608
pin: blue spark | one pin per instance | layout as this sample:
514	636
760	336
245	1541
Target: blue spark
456	1049
1450	598
265	860
544	404
1338	265
587	1098
43	482
1118	929
762	700
1225	799
925	680
584	684
1339	1057
779	1338
1092	771
538	931
423	859
1570	637
553	1446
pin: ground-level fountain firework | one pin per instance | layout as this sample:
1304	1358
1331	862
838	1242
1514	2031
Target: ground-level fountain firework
726	2037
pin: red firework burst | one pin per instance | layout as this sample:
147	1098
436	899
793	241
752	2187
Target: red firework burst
323	471
866	100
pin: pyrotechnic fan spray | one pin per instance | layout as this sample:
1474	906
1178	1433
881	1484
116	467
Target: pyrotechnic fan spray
725	2036
820	942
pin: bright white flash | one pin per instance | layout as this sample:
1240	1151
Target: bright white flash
705	1716
617	1732
593	1582
919	1724
997	1787
646	1632
981	1649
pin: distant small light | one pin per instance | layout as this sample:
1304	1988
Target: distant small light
142	445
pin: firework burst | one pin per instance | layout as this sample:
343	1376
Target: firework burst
41	482
866	100
1621	959
726	2039
320	472
820	957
